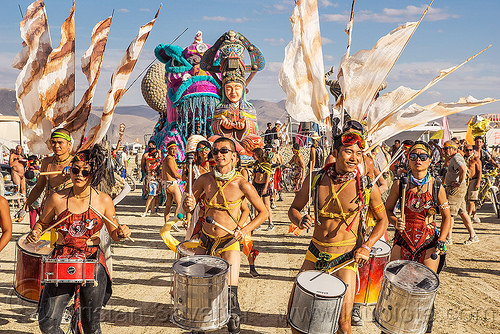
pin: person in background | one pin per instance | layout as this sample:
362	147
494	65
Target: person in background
152	166
262	181
317	154
474	176
269	134
17	163
481	151
170	178
456	189
298	166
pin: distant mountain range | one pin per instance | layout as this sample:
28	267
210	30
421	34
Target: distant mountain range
140	120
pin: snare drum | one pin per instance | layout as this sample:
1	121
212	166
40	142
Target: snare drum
28	273
187	248
316	304
69	270
406	298
371	274
200	286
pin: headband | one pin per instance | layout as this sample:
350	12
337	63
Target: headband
450	144
62	135
173	144
420	146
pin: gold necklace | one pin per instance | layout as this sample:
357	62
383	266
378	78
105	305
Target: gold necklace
62	161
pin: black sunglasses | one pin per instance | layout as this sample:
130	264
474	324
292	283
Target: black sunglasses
421	156
76	171
352	124
468	150
223	150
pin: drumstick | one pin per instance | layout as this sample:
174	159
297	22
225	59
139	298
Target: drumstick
108	220
342	266
56	223
404	182
211	220
311	164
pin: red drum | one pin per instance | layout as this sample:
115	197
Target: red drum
27	279
69	270
371	274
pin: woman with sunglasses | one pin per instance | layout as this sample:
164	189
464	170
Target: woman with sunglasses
417	236
82	207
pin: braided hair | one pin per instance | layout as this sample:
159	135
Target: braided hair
97	159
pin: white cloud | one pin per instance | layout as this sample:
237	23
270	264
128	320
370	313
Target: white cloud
123	10
144	9
274	41
335	18
224	19
393	15
326	40
327	3
329	58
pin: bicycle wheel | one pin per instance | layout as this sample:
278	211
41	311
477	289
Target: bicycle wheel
494	202
130	182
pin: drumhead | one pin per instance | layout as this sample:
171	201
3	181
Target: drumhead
324	285
200	266
380	249
411	276
41	247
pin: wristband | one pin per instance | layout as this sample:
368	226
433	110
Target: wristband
366	247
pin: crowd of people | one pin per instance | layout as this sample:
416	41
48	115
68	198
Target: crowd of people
415	181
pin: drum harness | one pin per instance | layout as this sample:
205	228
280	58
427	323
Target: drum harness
364	190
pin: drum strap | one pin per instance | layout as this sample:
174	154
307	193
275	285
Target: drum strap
324	261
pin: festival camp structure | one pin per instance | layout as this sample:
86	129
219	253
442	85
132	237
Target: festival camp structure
361	76
45	87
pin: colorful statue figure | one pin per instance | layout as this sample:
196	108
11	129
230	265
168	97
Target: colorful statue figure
192	94
234	117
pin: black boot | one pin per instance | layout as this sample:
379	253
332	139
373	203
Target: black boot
233	326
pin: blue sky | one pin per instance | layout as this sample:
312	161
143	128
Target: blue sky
452	31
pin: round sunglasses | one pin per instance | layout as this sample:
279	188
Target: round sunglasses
76	171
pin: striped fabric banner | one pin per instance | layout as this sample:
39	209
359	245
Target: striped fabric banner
57	85
118	82
35	34
302	75
75	120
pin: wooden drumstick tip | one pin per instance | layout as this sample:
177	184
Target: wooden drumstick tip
108	220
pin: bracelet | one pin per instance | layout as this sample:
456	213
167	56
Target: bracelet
366	247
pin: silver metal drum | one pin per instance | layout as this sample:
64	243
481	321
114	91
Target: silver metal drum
200	292
187	248
406	298
316	304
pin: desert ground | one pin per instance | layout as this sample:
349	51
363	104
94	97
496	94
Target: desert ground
468	300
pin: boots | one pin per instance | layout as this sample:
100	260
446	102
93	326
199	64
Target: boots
233	326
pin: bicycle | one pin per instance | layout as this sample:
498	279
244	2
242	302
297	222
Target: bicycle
489	190
286	182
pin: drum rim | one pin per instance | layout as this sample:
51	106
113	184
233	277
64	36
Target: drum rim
178	324
400	286
185	258
24	250
320	295
382	254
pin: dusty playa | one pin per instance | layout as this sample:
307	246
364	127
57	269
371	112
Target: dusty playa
468	300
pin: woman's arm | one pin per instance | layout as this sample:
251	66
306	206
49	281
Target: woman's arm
5	223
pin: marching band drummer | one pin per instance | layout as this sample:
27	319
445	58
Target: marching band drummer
416	237
337	225
61	144
82	206
225	189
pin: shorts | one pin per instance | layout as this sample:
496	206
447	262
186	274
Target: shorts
311	257
456	199
260	189
153	186
472	187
